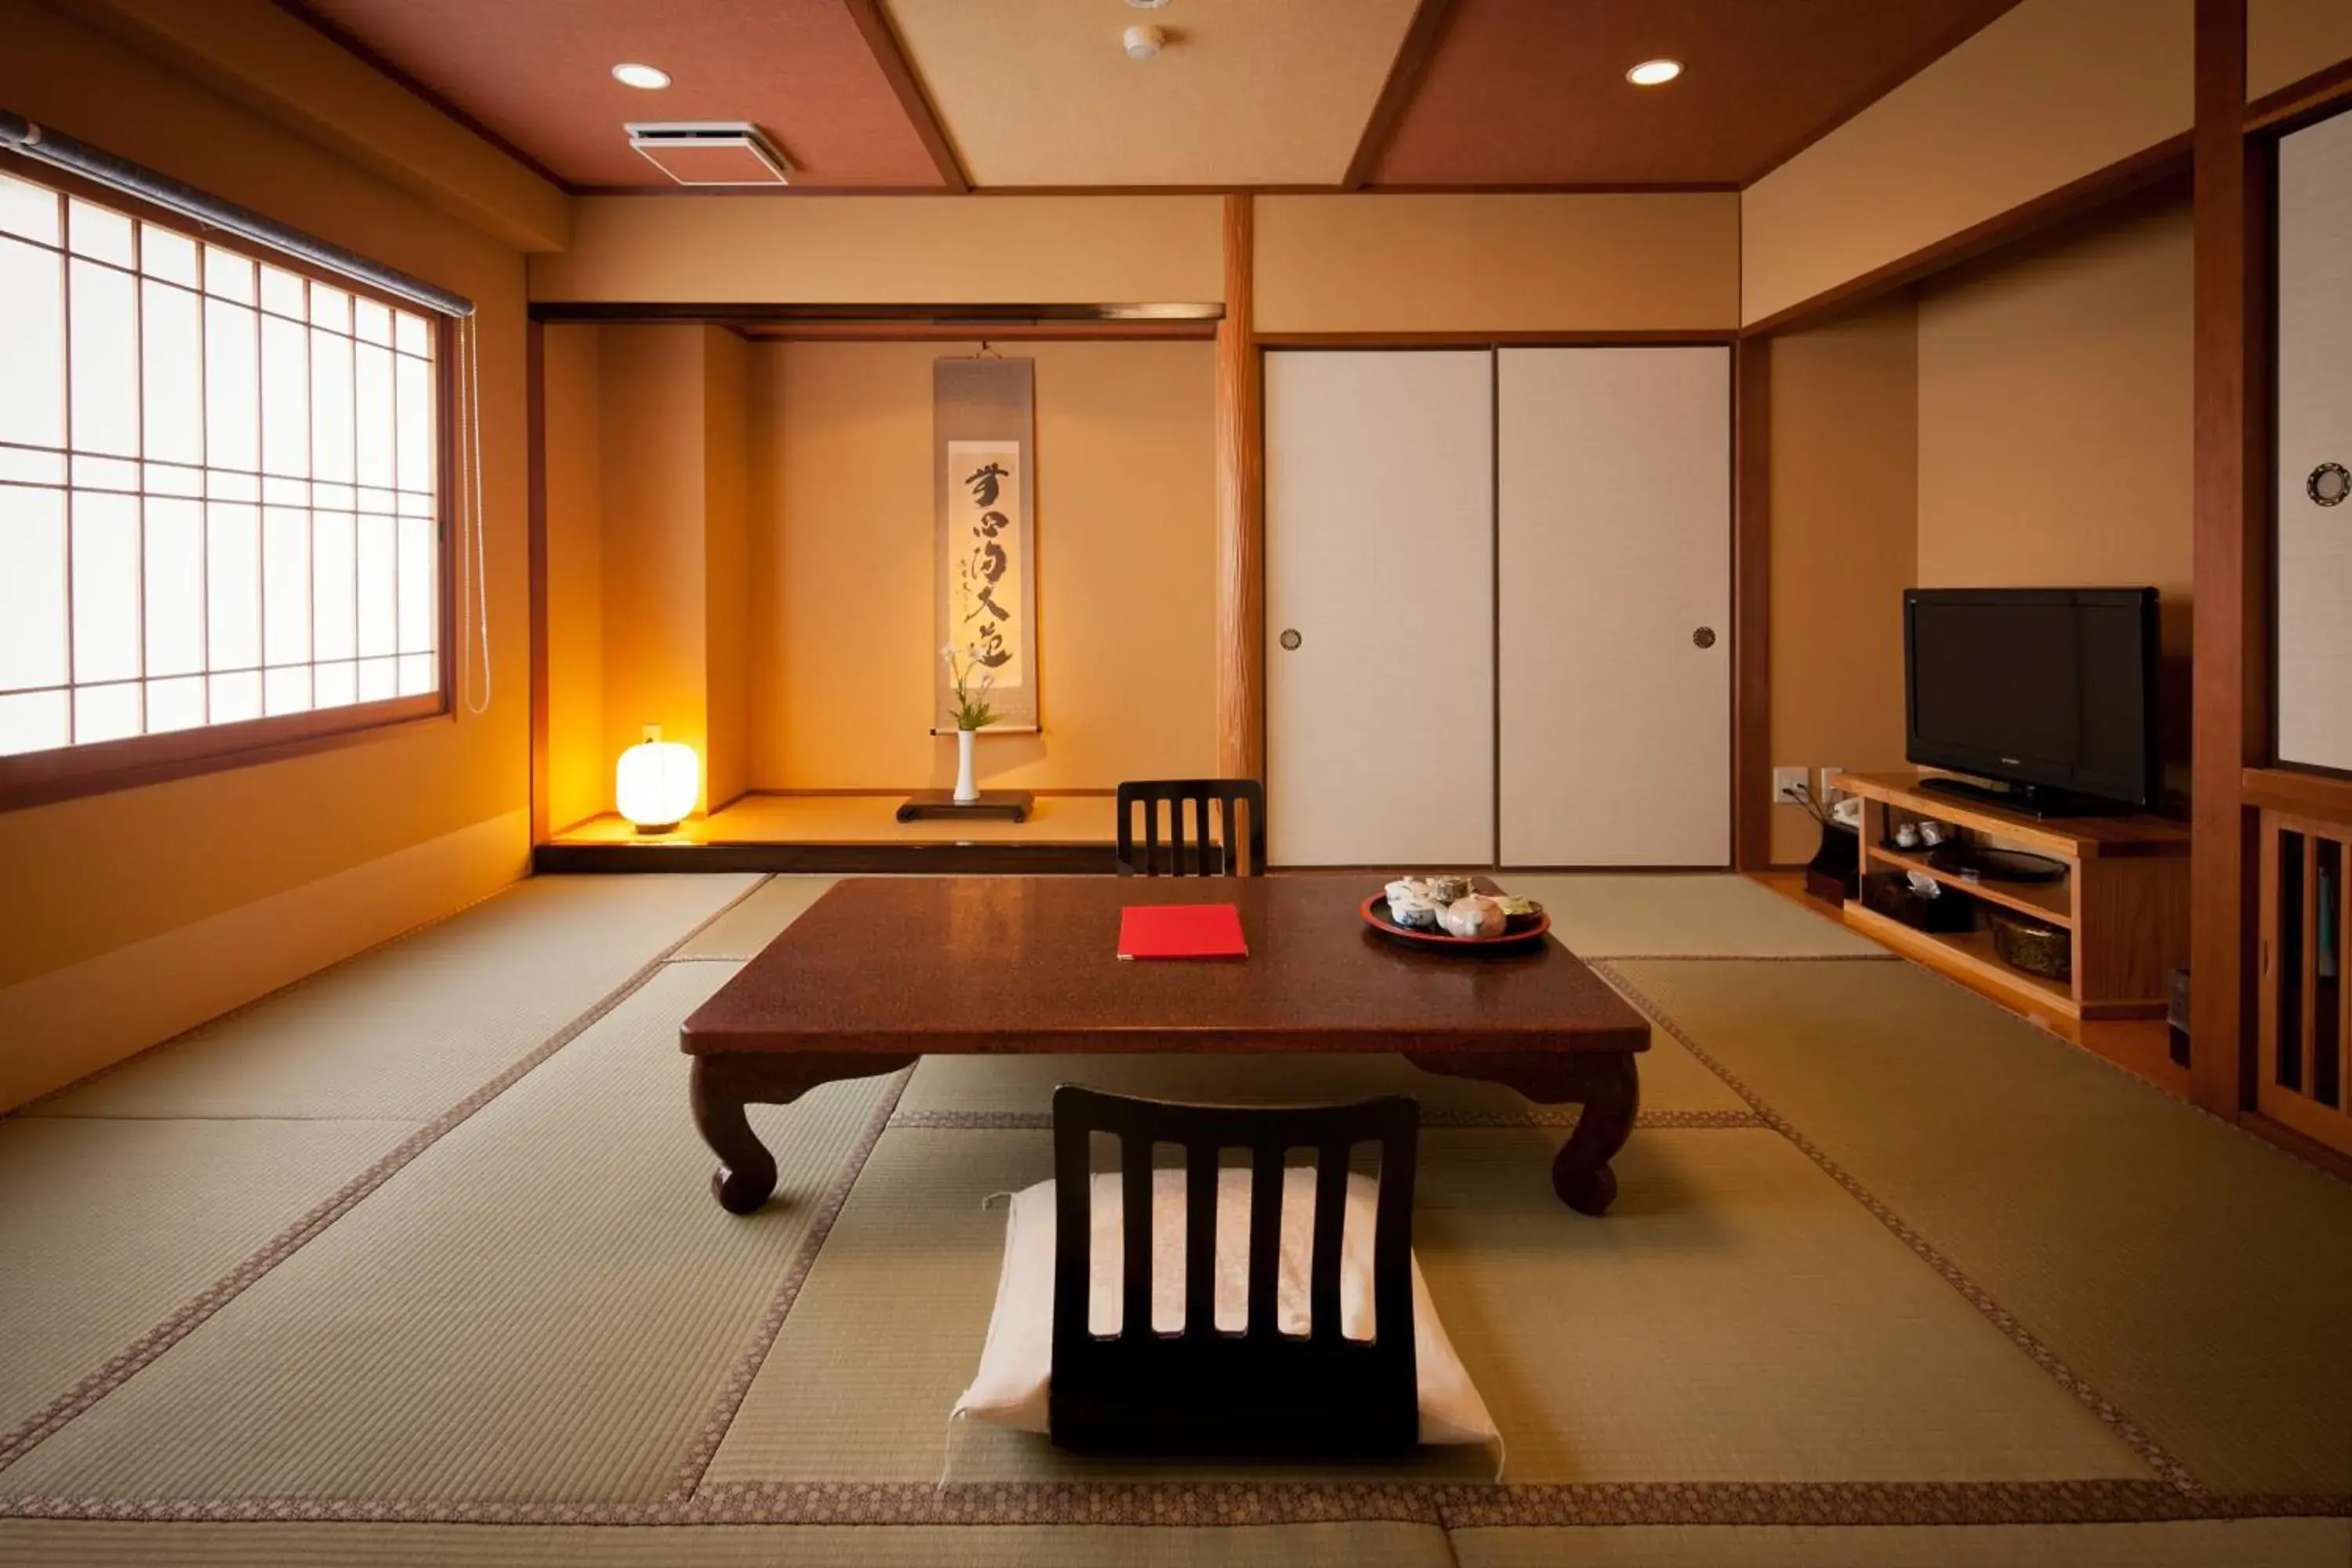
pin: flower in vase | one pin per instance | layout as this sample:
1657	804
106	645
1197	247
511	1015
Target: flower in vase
972	683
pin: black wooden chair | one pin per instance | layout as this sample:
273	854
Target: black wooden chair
1204	1390
1207	856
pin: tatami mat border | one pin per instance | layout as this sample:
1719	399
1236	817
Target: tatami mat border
763	1339
37	1429
2125	1430
1533	1116
1452	1505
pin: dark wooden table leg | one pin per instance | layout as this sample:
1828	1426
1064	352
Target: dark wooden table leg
723	1084
1607	1084
1580	1173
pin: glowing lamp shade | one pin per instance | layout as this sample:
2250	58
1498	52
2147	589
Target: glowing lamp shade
657	783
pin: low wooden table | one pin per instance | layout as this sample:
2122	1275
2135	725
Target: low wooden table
881	971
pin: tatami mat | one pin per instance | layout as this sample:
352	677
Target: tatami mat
742	932
2199	1279
544	1305
106	1226
1709	915
1672	1080
1735	1318
1353	1545
2200	1543
410	1028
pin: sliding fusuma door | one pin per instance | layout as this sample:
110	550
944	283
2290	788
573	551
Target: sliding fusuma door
1380	593
2315	446
1614	507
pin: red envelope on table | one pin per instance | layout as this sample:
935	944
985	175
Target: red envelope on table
1180	930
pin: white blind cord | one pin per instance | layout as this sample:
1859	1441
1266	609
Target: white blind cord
475	559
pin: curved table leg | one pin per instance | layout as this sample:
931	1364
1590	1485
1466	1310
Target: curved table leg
1605	1083
722	1085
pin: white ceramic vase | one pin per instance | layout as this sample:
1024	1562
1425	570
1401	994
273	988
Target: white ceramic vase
966	791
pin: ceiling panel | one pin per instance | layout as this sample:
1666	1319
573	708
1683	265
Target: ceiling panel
1039	92
538	75
1534	92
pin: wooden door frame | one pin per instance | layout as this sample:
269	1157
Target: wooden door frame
2231	597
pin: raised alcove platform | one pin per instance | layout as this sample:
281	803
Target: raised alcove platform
846	835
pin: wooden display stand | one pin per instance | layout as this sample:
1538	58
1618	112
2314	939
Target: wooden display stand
2125	898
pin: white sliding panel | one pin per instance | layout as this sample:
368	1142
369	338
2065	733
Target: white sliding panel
1615	499
2314	430
1379	567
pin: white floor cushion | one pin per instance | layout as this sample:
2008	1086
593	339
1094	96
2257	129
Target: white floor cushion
1017	1362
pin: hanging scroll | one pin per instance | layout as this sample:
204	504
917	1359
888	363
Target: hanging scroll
982	424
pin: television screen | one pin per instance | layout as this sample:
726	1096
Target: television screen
2051	688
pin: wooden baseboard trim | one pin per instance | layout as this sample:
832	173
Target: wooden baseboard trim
2309	1149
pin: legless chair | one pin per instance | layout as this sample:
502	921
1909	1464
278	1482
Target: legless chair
1207	857
1204	1390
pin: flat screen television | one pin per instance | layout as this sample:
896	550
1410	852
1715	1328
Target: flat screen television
2050	690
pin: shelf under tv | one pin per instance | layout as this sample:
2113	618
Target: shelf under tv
2124	900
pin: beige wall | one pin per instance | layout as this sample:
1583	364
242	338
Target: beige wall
1845	485
2049	92
580	781
670	456
2287	40
2054	419
727	547
130	916
1481	263
841	617
870	250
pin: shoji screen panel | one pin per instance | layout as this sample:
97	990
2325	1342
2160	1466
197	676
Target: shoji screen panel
2315	445
1380	608
1613	474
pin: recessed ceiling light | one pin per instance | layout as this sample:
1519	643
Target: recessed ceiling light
646	77
1654	73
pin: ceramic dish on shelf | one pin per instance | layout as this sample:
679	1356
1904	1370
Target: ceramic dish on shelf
1515	936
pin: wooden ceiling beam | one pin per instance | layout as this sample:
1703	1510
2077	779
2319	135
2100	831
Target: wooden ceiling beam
891	57
1411	62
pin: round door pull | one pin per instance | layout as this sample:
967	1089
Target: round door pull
2329	484
1704	636
1290	638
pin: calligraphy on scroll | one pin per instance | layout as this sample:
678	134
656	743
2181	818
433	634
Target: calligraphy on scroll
985	541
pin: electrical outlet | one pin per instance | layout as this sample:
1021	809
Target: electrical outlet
1789	786
1826	794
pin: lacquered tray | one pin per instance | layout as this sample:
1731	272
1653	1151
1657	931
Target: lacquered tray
1375	912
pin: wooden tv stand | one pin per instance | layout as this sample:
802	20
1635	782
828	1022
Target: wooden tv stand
2125	898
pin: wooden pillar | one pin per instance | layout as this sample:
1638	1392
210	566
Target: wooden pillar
1751	610
2230	587
535	437
1241	516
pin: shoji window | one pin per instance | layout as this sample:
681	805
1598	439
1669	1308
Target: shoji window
221	495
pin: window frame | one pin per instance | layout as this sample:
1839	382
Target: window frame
100	767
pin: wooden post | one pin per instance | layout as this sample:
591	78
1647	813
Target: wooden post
2232	588
1751	610
1241	516
535	437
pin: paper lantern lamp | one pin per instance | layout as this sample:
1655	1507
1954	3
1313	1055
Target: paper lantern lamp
658	783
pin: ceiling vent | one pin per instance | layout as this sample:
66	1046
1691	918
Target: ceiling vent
710	152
